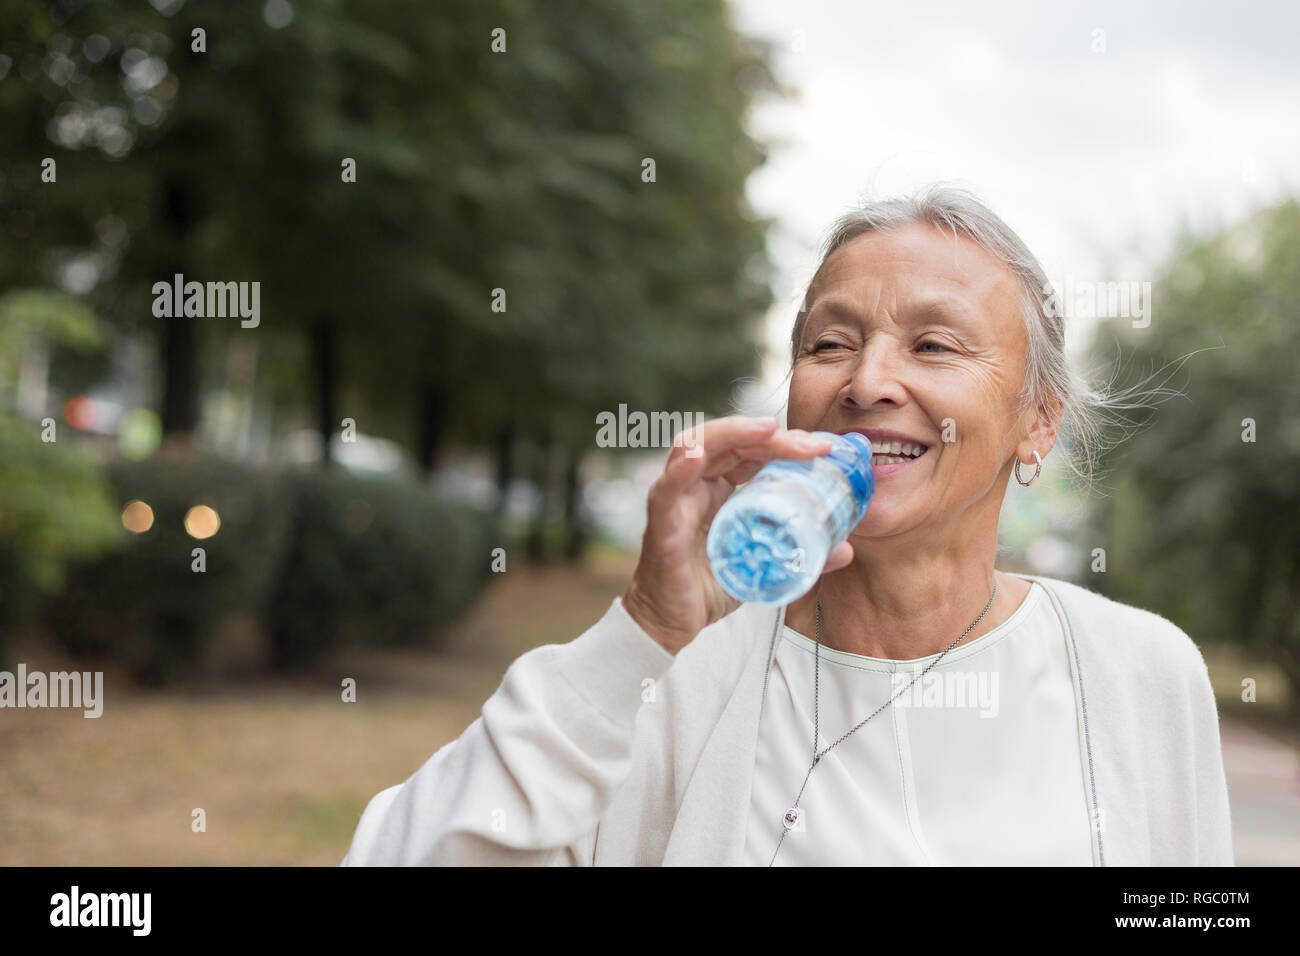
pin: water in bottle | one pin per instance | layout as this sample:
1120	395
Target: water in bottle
769	542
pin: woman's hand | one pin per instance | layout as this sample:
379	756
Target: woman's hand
673	594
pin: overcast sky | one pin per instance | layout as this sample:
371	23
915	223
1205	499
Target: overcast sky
1094	146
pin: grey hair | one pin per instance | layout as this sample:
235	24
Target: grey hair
1050	379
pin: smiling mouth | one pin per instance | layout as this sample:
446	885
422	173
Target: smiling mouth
894	453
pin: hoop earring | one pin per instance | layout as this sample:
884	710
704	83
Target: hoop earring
1038	467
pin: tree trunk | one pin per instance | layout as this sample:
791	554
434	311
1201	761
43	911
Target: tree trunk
324	359
576	541
505	452
432	417
535	545
180	375
179	338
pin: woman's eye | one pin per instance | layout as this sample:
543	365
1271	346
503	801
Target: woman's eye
823	345
937	345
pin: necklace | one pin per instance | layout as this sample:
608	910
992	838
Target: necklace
791	818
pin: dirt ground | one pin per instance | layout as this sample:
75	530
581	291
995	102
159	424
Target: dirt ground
283	769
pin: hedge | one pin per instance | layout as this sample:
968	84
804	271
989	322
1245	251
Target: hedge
380	562
318	556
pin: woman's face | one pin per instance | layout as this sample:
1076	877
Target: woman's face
919	333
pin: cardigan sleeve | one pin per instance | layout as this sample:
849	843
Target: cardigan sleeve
529	779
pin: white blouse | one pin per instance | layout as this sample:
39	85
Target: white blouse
978	763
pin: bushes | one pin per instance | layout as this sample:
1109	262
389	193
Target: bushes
376	561
319	557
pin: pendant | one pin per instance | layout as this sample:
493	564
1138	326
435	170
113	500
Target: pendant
791	818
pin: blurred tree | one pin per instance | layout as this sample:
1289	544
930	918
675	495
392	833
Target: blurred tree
520	169
623	287
56	506
1204	522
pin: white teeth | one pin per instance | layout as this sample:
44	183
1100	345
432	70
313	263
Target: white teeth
905	448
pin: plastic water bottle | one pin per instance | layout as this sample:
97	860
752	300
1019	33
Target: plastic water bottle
769	542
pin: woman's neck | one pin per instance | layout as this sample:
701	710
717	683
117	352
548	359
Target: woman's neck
902	606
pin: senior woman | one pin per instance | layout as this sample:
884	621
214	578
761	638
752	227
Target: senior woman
683	728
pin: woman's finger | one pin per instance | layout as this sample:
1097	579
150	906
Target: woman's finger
681	472
695	448
743	472
719	434
795	443
735	447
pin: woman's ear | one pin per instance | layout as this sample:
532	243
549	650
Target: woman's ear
1042	434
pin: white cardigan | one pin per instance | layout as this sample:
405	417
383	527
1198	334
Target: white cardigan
608	750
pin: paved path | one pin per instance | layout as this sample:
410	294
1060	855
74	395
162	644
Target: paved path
1264	793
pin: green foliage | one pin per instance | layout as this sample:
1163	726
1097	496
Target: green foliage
56	506
1203	526
375	560
56	509
61	317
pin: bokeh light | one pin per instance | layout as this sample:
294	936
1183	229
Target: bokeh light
202	522
80	412
137	517
139	434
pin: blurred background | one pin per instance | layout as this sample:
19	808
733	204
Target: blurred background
477	227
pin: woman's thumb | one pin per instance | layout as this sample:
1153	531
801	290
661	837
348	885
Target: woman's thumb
841	557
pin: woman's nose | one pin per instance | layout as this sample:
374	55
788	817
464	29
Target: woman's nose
875	377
